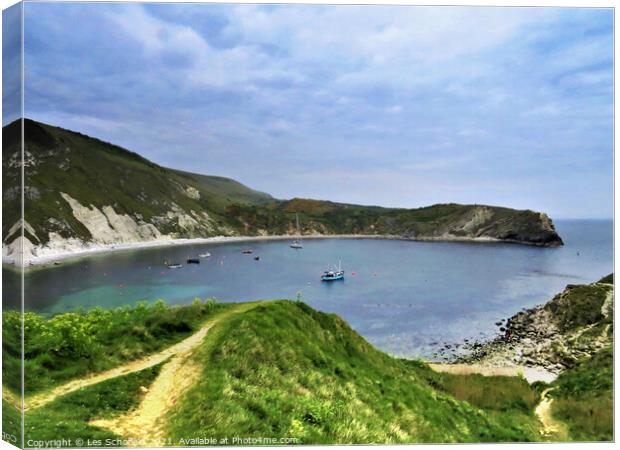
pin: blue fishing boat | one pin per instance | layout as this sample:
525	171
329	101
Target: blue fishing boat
333	273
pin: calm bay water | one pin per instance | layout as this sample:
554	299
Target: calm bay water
405	297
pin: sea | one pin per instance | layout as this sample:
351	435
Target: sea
407	298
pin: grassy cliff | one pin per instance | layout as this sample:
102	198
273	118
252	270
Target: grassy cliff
81	190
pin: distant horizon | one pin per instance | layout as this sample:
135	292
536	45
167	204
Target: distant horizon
398	106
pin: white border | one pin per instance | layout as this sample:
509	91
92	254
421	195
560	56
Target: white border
564	3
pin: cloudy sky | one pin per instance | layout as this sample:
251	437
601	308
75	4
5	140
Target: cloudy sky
395	106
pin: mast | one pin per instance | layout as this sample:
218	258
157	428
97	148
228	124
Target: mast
298	229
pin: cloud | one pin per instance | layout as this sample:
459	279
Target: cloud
11	64
434	96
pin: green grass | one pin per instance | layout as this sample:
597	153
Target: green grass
68	416
579	305
11	423
583	398
286	370
497	393
281	369
508	400
71	345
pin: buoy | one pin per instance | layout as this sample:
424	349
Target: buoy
353	273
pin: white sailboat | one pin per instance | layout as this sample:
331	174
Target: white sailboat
297	241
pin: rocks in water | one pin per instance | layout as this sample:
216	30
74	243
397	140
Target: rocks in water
538	336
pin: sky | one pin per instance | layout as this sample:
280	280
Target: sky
383	105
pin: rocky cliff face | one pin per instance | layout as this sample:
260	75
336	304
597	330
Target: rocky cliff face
576	323
80	191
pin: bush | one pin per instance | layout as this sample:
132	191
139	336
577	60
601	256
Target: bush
73	344
583	397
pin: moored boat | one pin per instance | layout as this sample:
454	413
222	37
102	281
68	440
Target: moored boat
297	241
333	273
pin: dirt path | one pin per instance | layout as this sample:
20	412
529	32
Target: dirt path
550	426
182	348
144	427
531	374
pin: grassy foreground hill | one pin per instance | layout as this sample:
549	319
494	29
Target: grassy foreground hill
274	369
80	191
282	371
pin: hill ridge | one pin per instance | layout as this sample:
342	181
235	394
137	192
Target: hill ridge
117	194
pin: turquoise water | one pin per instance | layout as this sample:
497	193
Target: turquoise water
405	297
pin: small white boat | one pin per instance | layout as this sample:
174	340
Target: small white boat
175	266
204	255
297	241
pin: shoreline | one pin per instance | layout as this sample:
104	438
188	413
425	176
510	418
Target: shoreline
541	338
101	249
52	258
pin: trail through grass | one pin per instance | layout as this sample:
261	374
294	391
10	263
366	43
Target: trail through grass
551	427
135	366
68	417
146	422
73	345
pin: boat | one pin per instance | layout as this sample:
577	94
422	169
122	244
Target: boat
247	251
333	273
297	241
204	255
174	266
193	261
257	258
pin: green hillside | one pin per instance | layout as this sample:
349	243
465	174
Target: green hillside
81	188
100	174
284	369
274	369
